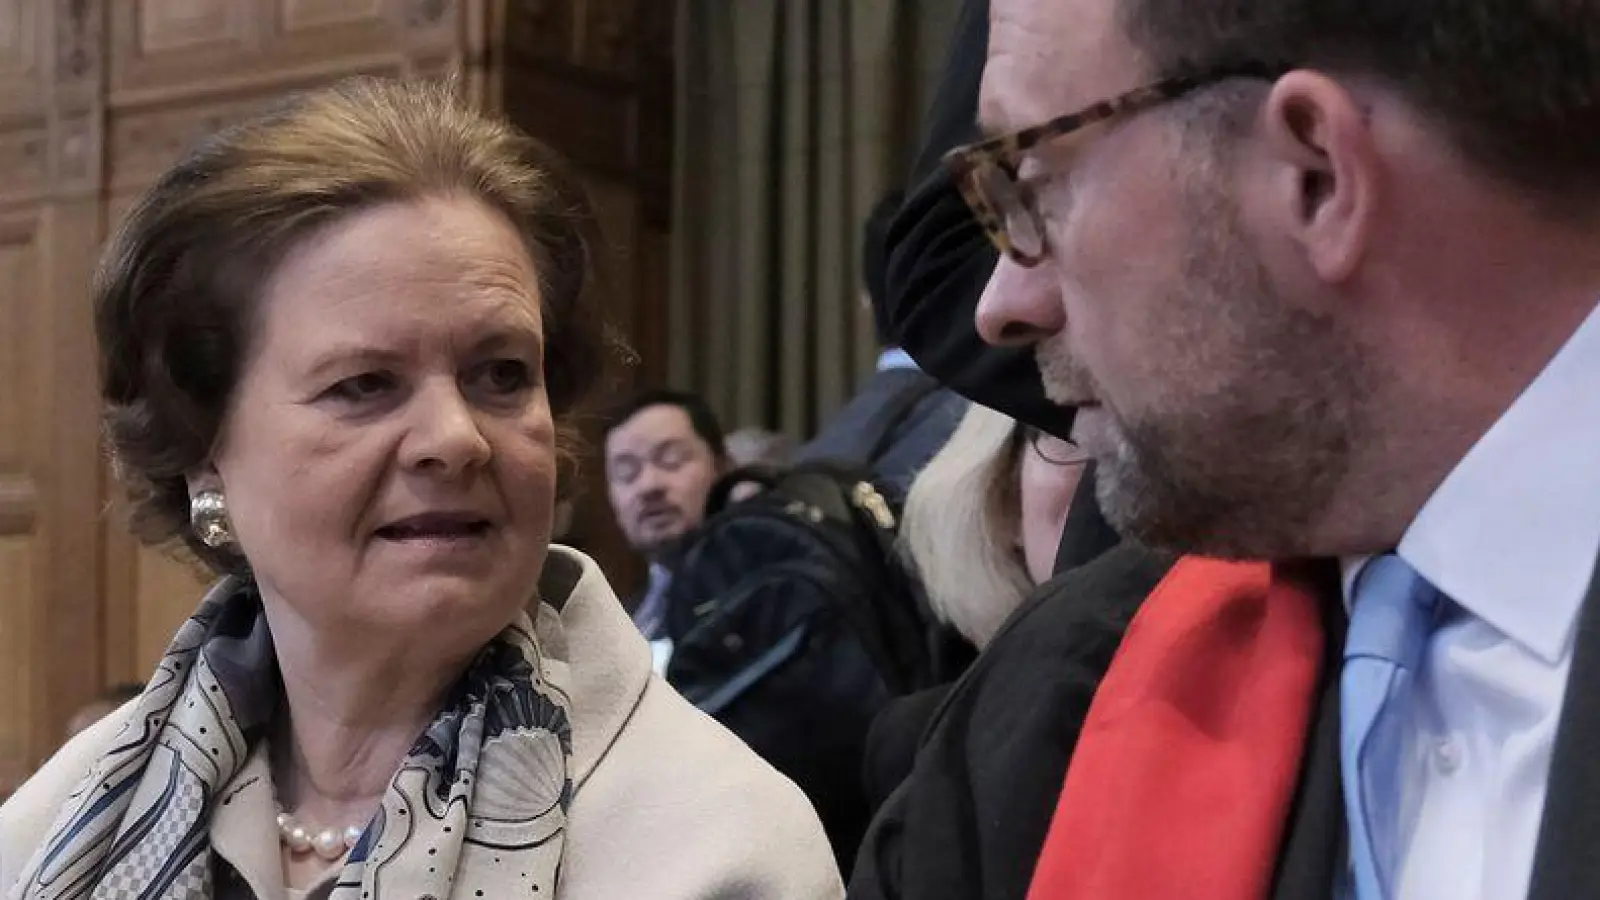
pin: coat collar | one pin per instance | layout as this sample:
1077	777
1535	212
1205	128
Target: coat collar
593	648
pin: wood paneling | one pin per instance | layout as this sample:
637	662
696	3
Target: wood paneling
262	47
19	493
19	44
22	325
308	15
17	657
17	336
19	504
144	141
168	25
167	591
150	591
98	97
22	165
543	30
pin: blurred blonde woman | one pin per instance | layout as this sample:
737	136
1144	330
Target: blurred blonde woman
983	520
981	527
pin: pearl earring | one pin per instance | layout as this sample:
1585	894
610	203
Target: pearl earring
208	516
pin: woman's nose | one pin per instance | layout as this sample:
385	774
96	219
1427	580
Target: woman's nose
444	436
1020	306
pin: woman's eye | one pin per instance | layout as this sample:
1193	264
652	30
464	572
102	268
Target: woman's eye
365	386
507	376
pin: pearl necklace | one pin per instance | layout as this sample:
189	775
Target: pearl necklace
329	843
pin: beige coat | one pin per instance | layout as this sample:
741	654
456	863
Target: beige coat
668	804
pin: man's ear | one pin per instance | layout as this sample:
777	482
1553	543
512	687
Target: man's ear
1328	170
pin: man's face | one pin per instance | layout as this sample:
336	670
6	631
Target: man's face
1218	409
658	472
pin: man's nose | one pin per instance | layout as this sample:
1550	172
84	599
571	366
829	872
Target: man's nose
1020	306
651	485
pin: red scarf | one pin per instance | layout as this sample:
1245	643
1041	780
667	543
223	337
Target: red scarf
1183	775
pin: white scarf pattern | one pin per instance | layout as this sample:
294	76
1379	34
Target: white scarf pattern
481	799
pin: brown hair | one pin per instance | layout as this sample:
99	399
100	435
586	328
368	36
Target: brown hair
178	285
1514	82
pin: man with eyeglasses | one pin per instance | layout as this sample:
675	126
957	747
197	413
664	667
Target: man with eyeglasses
1320	277
968	821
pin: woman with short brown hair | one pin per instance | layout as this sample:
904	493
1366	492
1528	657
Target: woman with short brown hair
341	347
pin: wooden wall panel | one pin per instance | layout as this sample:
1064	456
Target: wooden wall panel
68	565
69	572
144	141
23	140
17	658
18	318
310	15
164	26
22	451
20	46
25	143
149	592
19	494
166	49
167	591
23	162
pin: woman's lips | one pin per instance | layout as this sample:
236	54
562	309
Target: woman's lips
436	527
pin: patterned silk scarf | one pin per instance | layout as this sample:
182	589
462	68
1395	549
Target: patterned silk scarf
480	799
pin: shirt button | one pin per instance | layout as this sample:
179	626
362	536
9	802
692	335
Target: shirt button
1447	756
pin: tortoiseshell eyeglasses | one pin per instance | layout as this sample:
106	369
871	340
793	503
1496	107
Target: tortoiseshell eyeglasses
1006	206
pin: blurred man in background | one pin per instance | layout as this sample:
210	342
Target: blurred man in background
901	416
664	449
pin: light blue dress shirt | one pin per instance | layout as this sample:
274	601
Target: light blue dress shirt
650	617
1510	539
895	358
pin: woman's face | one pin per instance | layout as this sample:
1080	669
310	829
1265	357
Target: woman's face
1048	473
389	458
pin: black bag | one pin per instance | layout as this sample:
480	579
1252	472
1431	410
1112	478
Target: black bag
791	625
817	542
793	622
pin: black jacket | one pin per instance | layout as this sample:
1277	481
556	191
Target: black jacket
940	260
969	821
914	440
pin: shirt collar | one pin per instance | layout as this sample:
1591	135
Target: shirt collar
660	576
1511	534
895	358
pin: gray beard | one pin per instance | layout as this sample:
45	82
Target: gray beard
1243	457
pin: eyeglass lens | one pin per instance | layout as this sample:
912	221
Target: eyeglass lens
1002	190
